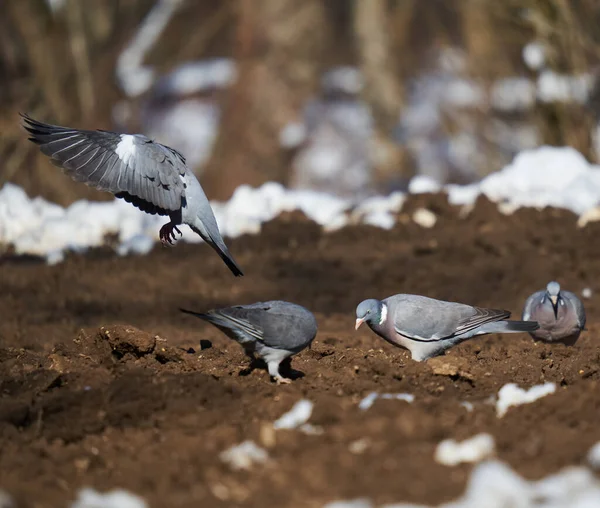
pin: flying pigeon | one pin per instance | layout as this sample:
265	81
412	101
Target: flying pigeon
273	330
151	176
428	327
560	314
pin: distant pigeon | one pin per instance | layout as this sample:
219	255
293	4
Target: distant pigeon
428	327
560	314
273	330
151	176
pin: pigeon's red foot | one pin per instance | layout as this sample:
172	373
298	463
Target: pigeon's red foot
167	233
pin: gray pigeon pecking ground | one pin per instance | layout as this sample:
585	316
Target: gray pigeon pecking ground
151	176
273	330
428	327
560	314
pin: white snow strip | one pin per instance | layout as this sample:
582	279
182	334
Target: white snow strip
451	453
89	498
511	395
244	456
370	399
547	176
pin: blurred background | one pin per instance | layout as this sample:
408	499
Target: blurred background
351	97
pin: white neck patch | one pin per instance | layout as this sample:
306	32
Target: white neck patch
383	313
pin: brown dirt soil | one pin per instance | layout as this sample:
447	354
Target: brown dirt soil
104	383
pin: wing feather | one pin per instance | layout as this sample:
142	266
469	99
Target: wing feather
133	167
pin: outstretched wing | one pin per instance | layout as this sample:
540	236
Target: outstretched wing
132	167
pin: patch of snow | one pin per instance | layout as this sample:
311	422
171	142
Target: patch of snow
379	211
593	456
56	6
244	456
6	501
197	76
534	55
89	498
422	184
297	417
468	406
359	446
133	77
553	87
188	125
424	218
345	79
463	93
404	505
493	484
353	503
292	135
451	453
511	395
546	176
370	399
513	94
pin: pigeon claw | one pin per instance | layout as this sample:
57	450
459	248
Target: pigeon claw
280	380
167	234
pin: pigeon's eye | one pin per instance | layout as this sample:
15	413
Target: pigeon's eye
562	302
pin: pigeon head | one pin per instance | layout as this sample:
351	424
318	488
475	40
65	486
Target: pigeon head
553	294
370	311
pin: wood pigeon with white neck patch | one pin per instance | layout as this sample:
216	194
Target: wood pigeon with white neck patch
428	327
150	176
560	313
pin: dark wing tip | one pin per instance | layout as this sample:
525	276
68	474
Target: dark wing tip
499	313
201	315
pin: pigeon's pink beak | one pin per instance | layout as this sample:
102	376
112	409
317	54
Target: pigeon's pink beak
358	323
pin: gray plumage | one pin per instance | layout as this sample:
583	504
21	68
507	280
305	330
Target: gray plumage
428	327
561	314
272	330
151	176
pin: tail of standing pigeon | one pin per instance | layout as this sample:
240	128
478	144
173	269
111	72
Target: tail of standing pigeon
510	327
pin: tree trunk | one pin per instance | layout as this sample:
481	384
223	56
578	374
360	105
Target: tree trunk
278	45
383	89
